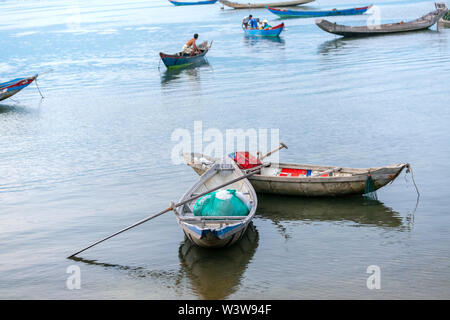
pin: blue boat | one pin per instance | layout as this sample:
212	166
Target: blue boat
10	88
191	2
287	13
270	32
181	59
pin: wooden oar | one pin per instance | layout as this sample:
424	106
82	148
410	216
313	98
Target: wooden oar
326	171
173	206
282	145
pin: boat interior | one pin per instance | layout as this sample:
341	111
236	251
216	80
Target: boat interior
218	176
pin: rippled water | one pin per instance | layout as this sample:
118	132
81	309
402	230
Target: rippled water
94	155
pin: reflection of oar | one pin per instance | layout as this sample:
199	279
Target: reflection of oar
172	206
282	145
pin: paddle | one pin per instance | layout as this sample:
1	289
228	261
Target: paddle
173	206
282	145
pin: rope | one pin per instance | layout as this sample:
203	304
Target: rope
35	80
409	170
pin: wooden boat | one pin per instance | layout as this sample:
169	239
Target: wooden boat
307	180
421	23
216	231
191	2
10	88
180	59
287	13
236	5
271	32
445	20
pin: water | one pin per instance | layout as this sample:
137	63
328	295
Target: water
94	155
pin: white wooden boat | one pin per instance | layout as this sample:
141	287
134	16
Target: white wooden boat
216	231
307	180
237	5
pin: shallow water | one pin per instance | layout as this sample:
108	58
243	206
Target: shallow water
94	155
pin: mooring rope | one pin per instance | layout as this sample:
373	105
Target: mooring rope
409	170
35	80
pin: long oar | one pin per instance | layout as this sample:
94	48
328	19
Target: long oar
166	210
282	145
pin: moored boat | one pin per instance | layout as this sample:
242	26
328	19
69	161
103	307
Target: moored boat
236	5
10	88
269	32
308	180
445	20
191	2
180	59
288	13
217	230
421	23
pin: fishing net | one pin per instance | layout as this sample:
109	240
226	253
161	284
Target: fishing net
447	16
222	203
370	190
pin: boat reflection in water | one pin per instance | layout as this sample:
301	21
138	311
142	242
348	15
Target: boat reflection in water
254	40
191	72
217	273
360	211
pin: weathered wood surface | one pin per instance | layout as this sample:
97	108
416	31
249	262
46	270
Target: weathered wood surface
237	5
421	23
346	182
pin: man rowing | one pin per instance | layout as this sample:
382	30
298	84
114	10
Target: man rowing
190	48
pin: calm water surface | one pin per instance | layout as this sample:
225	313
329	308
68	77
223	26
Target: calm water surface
94	155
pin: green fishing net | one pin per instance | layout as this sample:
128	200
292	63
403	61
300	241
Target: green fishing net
370	190
222	203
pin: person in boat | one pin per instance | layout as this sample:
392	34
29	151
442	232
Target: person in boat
190	48
254	23
265	25
246	21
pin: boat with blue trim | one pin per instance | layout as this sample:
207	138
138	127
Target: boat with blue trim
287	13
10	88
215	231
268	32
191	2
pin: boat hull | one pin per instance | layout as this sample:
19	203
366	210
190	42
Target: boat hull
421	23
210	238
333	186
10	88
236	5
191	3
284	13
272	32
176	60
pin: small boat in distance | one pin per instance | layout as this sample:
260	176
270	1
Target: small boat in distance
421	23
180	59
218	230
236	5
191	2
270	32
287	13
307	180
10	88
